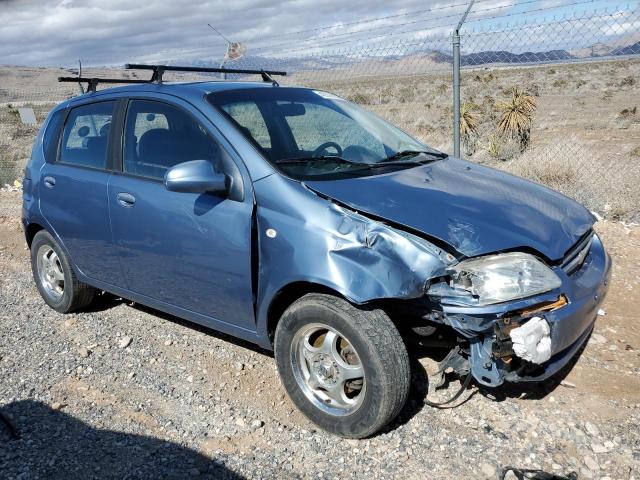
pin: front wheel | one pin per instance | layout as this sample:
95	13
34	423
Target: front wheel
346	368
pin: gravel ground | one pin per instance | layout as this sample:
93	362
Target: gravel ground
125	392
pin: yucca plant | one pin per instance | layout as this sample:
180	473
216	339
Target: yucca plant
469	122
517	116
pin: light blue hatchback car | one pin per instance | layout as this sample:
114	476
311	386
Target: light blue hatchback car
301	222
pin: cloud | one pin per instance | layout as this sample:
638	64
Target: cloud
58	32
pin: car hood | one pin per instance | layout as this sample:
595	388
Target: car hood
475	209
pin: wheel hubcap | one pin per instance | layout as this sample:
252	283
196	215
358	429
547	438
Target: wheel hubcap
327	369
50	271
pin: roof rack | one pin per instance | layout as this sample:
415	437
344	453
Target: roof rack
158	71
92	83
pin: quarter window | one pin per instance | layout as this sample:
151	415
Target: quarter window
86	135
52	136
159	136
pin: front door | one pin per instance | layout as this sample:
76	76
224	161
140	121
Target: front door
191	251
73	192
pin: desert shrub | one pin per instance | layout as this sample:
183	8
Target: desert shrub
580	83
551	71
559	83
517	116
359	98
406	94
469	122
636	152
422	127
486	78
628	81
628	112
494	145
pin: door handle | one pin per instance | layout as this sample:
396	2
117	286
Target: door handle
126	199
49	182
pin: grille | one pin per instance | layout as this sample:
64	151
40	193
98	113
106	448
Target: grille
575	257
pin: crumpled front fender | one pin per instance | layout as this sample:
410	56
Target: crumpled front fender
303	237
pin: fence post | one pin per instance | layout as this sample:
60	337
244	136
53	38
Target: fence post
456	94
456	82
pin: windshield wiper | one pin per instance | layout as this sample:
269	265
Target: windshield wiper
397	158
320	159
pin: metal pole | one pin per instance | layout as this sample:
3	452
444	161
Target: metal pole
456	82
456	94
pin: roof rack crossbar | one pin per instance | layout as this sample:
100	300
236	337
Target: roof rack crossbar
158	71
92	83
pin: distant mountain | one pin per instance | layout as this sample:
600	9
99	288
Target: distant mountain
628	50
503	56
416	58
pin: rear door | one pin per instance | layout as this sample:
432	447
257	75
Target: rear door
190	251
73	191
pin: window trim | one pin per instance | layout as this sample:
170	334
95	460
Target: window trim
109	151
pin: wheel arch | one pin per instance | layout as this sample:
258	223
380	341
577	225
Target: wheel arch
289	294
30	232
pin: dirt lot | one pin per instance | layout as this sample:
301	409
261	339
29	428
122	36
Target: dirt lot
125	392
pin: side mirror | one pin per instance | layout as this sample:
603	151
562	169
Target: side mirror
195	176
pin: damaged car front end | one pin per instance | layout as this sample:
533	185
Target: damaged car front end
513	316
532	335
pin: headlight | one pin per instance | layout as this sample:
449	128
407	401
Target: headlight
507	276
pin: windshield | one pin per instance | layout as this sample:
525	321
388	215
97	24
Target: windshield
312	134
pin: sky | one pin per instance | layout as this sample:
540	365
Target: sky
113	32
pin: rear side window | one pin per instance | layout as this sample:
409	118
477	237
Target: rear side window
52	135
86	135
159	136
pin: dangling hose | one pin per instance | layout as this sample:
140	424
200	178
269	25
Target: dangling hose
441	405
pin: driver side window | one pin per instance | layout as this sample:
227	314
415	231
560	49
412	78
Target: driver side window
159	136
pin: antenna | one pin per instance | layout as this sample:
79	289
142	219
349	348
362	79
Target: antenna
224	59
218	32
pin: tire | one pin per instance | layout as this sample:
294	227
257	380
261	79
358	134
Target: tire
54	277
363	341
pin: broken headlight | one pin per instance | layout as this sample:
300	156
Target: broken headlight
503	277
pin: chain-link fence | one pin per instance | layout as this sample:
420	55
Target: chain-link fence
548	92
556	101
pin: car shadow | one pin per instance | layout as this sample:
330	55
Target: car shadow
54	445
107	301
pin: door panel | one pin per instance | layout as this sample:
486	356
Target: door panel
74	196
77	209
192	251
189	250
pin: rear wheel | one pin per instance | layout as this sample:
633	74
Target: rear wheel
344	367
54	277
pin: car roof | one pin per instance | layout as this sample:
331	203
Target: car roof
179	89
